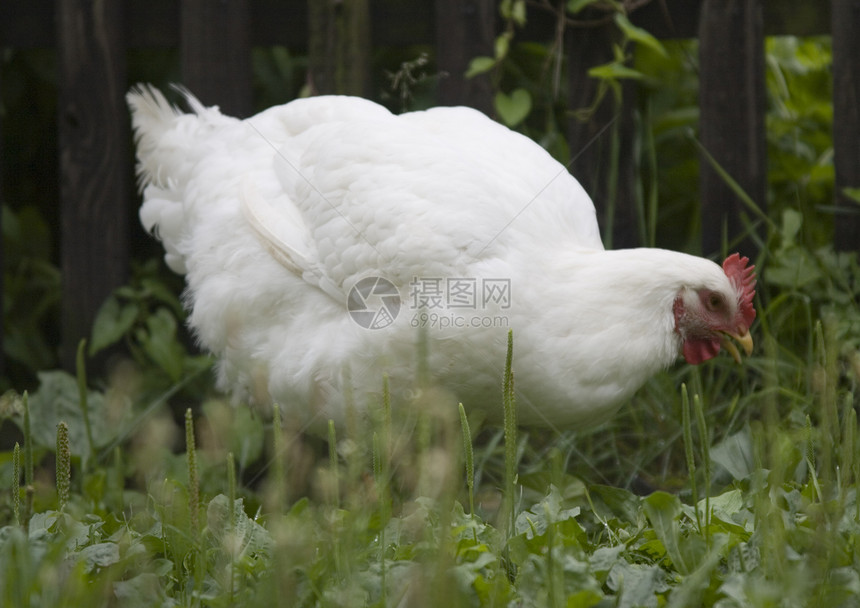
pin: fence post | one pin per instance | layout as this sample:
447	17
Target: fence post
2	259
339	47
94	172
846	118
216	53
604	138
464	30
732	110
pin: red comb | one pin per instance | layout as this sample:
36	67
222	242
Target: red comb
742	276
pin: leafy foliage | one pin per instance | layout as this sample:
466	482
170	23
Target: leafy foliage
31	289
781	524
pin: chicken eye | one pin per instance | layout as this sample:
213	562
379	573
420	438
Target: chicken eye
715	302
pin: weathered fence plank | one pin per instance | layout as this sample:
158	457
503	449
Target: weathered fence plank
94	169
2	259
339	47
601	144
464	30
846	118
322	44
215	53
732	111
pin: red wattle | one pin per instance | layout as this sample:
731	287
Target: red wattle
697	351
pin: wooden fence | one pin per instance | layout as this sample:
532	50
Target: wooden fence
215	40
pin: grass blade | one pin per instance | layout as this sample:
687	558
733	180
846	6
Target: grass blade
64	465
81	369
28	443
470	458
688	451
193	481
333	464
706	459
509	404
16	483
735	187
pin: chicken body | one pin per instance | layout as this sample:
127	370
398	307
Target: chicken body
320	238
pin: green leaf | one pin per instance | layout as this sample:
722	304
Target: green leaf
794	268
662	510
466	573
852	193
604	558
248	537
515	10
157	289
614	71
726	508
792	220
532	527
637	34
160	343
100	555
480	65
57	399
112	322
574	6
513	108
502	45
585	598
636	584
518	12
735	454
142	591
610	502
548	511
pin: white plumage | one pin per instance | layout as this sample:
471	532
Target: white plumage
276	218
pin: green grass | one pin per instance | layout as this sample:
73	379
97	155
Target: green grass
753	499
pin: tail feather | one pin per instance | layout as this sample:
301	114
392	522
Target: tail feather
165	138
152	116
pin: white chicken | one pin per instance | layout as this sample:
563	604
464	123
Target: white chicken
318	239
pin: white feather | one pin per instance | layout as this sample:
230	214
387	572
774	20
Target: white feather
264	220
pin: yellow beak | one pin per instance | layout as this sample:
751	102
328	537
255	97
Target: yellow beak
744	339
